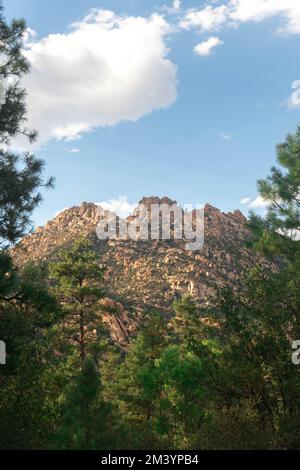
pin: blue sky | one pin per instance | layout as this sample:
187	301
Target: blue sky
212	119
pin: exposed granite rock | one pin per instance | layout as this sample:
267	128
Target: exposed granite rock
151	273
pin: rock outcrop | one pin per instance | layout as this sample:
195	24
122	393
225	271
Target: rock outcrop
150	273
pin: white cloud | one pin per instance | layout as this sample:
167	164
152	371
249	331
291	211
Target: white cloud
259	10
257	203
174	8
176	5
106	70
73	150
207	19
119	206
245	200
29	35
205	48
235	12
255	10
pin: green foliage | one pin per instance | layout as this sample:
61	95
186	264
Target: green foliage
20	177
278	232
77	274
187	323
8	277
258	328
27	310
193	378
180	376
13	66
84	414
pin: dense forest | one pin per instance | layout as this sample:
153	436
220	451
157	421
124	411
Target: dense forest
220	377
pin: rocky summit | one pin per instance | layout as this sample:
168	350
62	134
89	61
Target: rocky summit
149	274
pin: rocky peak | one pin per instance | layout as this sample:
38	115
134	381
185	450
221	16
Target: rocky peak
150	274
149	200
86	210
238	215
152	270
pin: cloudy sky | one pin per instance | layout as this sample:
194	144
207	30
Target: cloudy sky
186	98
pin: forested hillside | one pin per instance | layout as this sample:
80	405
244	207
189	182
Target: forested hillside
144	345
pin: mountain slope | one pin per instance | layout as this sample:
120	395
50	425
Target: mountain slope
147	274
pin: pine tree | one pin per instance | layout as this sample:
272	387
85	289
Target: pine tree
27	313
26	308
85	414
12	68
20	176
278	232
186	321
136	388
260	389
77	275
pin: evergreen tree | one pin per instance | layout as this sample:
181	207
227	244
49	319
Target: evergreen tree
12	68
20	179
20	176
77	274
258	324
84	412
137	388
257	329
278	232
27	311
187	322
26	308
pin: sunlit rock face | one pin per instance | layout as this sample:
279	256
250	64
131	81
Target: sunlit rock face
150	274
